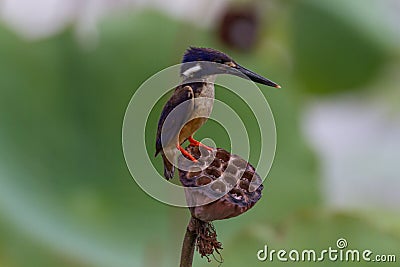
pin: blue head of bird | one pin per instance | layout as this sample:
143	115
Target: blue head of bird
199	63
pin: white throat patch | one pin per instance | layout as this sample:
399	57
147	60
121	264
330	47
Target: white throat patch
189	72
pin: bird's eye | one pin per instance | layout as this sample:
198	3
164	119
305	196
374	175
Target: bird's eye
231	64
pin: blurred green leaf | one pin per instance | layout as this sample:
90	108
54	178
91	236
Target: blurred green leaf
331	54
64	179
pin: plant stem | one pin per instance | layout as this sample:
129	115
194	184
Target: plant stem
189	242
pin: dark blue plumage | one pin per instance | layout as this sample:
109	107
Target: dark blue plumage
205	54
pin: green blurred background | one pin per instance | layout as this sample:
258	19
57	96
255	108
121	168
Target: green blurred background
69	68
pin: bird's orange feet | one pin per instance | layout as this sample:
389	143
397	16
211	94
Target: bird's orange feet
194	142
185	153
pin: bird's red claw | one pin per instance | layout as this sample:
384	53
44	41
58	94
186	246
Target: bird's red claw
187	154
194	142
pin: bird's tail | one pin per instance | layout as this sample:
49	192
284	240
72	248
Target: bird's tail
169	168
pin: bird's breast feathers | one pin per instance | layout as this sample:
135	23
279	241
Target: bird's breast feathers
204	101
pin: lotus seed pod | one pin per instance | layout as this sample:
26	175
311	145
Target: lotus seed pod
220	185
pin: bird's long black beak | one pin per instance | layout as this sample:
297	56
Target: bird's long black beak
255	77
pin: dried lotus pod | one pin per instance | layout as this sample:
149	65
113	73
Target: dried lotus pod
220	185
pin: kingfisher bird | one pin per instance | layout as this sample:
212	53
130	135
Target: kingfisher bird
198	70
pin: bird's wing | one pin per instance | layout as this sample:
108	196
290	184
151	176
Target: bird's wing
181	104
